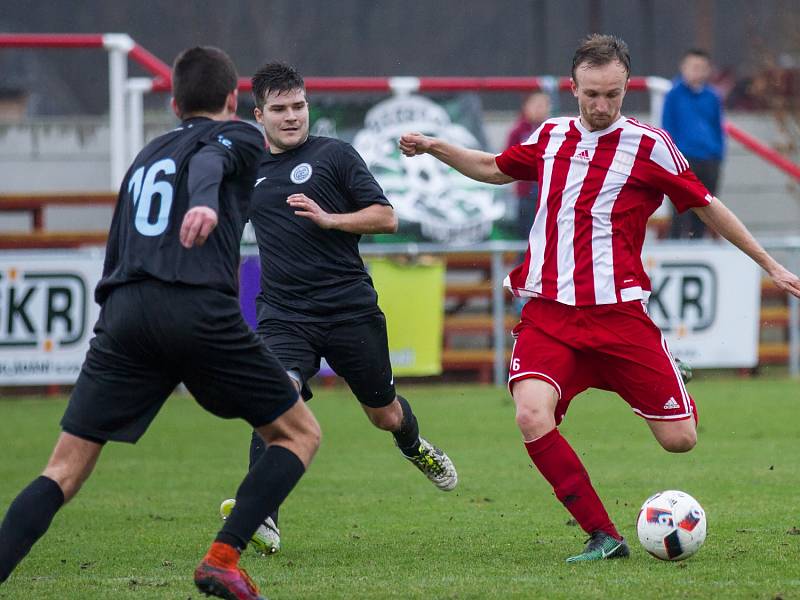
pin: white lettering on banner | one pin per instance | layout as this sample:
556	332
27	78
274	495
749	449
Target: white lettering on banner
684	295
41	305
447	206
706	299
46	314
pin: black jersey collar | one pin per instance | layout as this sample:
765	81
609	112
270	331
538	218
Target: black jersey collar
291	151
192	120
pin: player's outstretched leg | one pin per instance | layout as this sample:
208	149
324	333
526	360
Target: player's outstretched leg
558	463
265	486
267	538
27	519
536	401
294	439
32	511
429	459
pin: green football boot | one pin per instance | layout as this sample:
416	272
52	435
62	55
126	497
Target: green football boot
602	546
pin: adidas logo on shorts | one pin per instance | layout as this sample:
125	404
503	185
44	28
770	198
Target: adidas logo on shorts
671	404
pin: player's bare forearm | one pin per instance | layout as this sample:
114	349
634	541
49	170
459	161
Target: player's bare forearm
475	164
717	216
376	218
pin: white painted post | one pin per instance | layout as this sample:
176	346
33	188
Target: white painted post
118	45
658	88
403	86
136	88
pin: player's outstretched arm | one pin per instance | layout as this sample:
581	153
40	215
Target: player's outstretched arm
475	164
719	217
376	218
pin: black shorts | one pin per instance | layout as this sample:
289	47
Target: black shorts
358	350
151	336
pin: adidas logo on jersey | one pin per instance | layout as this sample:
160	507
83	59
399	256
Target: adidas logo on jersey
582	155
671	404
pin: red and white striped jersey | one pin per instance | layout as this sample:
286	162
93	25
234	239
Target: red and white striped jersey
596	191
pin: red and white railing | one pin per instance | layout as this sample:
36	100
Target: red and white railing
126	94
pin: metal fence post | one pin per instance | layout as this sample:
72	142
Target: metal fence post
498	317
794	318
794	336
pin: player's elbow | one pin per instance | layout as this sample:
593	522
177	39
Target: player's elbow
496	178
387	222
392	223
492	174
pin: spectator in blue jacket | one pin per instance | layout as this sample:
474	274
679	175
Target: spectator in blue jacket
693	117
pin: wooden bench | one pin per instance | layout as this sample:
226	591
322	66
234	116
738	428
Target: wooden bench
773	353
479	361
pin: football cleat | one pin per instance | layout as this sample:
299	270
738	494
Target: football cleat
230	584
602	546
685	369
267	538
436	465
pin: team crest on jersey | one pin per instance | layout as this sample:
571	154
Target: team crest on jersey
301	173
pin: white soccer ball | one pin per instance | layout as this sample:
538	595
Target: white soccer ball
671	525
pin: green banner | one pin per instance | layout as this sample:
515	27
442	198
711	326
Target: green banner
411	294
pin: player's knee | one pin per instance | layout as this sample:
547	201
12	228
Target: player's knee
386	420
534	421
69	482
681	441
312	433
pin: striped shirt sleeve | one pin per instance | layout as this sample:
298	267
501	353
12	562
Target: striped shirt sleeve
670	173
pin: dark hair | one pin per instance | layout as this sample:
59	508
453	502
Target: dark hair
699	52
202	78
598	50
275	77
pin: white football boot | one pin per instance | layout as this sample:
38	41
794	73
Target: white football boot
267	538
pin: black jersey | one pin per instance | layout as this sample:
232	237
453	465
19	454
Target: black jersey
154	197
309	273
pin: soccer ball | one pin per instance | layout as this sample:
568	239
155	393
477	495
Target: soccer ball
671	525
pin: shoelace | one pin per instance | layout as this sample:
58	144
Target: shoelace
595	542
428	460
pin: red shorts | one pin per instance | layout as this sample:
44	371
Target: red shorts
613	347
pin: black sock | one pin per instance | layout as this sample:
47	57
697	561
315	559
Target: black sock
257	449
407	436
264	488
26	521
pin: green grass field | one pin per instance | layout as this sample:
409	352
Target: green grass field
364	524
